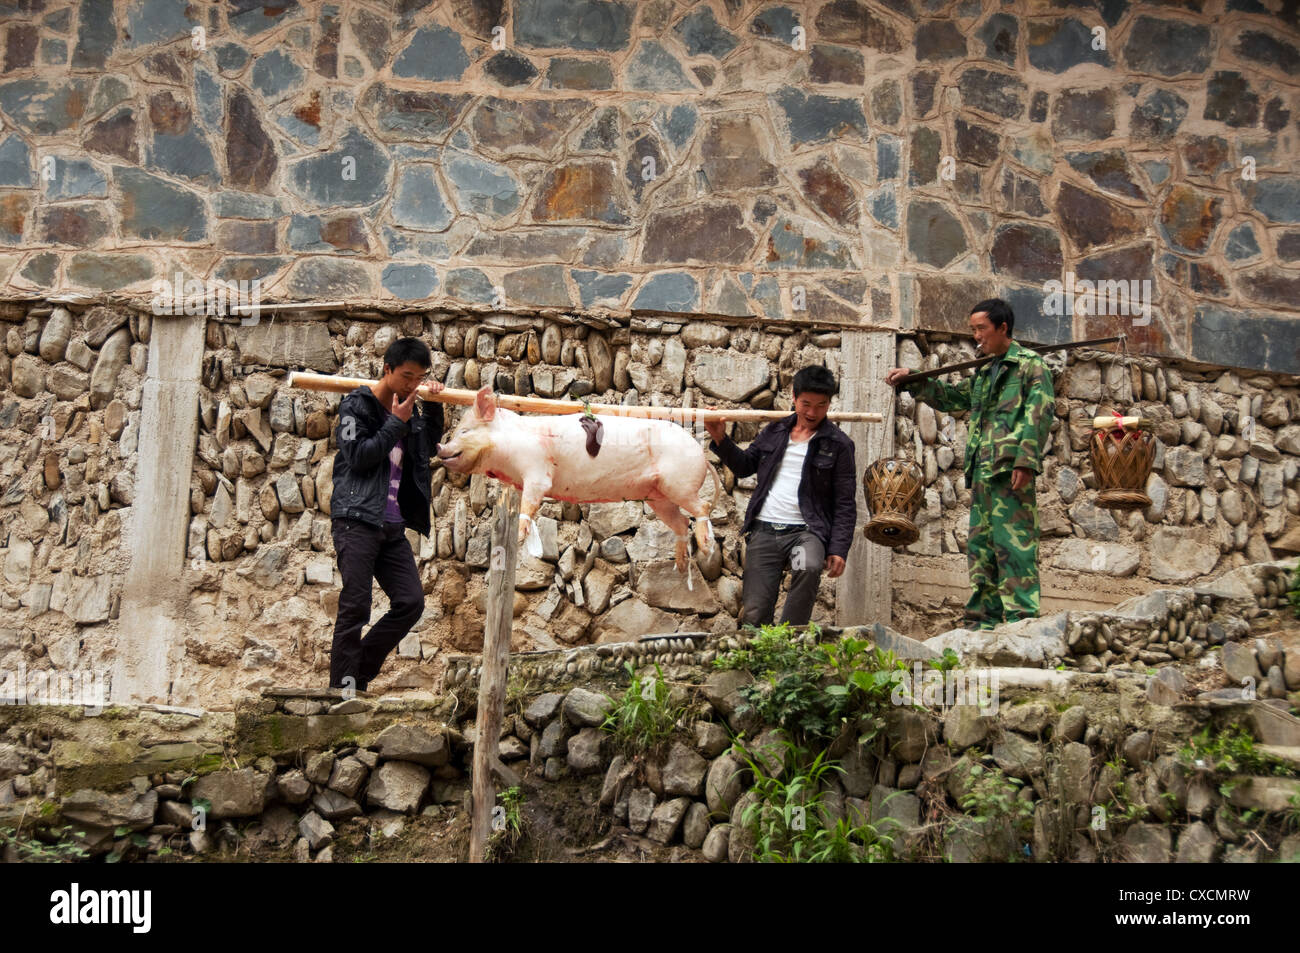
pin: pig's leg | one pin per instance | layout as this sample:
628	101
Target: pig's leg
683	489
704	535
700	509
535	490
675	520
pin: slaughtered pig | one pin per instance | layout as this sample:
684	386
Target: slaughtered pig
588	459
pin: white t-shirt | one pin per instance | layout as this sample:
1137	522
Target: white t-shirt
781	504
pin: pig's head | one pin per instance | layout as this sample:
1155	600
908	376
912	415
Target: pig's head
472	436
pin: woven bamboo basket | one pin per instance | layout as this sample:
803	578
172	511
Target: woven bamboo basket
1122	461
894	491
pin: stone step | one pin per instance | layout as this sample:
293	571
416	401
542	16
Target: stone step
1267	719
1287	754
319	694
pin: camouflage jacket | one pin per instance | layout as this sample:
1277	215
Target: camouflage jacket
1010	417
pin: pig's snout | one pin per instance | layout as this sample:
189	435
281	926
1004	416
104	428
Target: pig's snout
463	450
449	455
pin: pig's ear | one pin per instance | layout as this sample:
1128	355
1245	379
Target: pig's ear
485	404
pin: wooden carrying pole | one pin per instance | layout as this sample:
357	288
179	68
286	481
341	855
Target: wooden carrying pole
980	361
492	682
541	405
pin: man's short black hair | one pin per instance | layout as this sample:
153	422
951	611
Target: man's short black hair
815	380
408	349
999	312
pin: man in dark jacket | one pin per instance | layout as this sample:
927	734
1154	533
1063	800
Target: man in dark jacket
803	510
381	486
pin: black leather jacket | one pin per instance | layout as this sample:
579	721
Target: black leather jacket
366	432
827	491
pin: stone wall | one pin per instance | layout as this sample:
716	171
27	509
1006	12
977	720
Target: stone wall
1160	628
258	590
70	418
881	162
1104	764
265	456
1224	485
616	172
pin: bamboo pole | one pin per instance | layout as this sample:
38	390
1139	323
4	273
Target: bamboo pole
492	682
542	405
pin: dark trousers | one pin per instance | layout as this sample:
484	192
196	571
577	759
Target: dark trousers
368	554
767	554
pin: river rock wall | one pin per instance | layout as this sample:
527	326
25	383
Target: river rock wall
260	576
70	415
263	473
260	573
1114	766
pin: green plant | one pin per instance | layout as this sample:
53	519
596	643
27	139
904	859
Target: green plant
787	689
137	840
992	800
507	824
993	796
643	719
63	848
868	693
1122	803
789	818
512	798
946	662
1229	751
773	648
1293	594
816	691
845	656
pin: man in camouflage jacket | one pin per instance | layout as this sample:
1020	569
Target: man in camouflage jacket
1011	402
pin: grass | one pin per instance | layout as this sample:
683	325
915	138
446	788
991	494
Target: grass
790	819
63	848
507	824
644	718
1230	751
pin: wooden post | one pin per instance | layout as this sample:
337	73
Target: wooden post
865	591
492	681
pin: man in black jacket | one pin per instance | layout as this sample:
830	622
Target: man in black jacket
381	486
803	510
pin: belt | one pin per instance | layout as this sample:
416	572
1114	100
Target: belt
780	527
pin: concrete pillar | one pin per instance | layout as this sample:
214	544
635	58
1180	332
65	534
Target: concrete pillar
151	627
864	594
